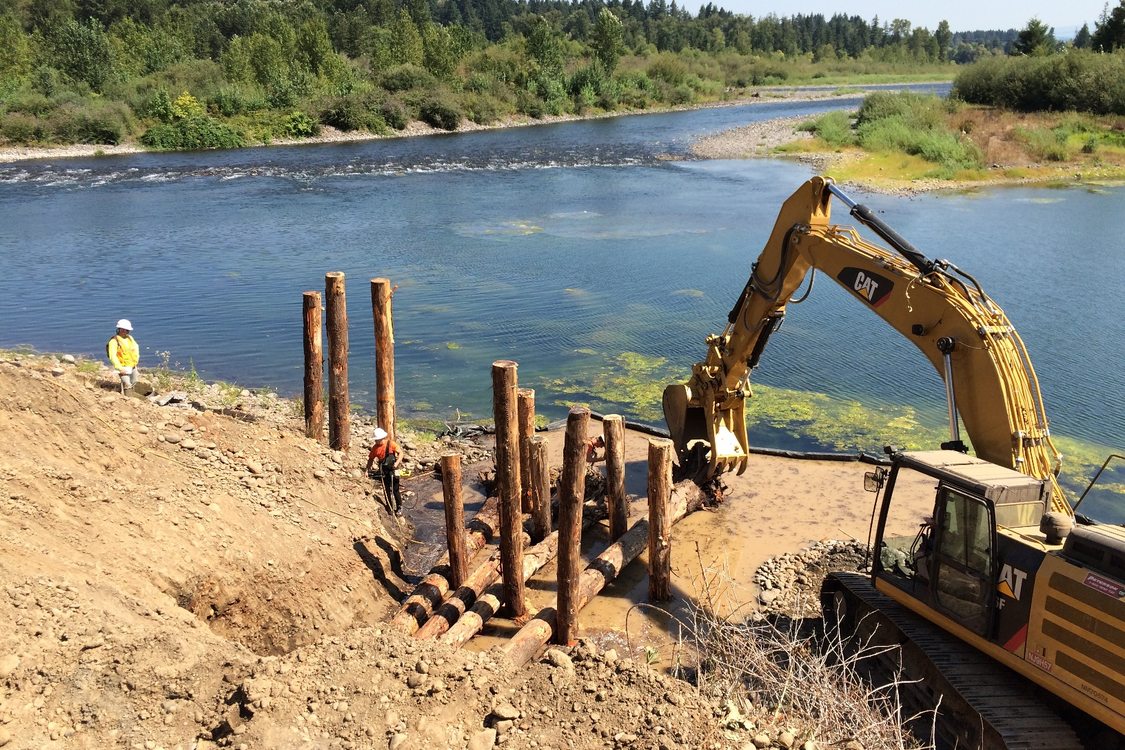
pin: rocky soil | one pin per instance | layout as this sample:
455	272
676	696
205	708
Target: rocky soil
199	574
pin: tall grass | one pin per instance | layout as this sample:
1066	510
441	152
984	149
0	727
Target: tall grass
914	124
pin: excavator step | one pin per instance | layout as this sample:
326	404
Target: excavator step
973	689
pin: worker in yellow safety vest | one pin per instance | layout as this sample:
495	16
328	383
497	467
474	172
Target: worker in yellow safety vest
124	354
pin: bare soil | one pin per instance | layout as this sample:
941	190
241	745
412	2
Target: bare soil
178	577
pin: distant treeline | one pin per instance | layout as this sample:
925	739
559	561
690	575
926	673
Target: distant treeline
217	73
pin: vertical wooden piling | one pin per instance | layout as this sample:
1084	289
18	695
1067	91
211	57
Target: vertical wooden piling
381	293
660	524
526	397
572	491
540	490
314	368
454	518
613	427
504	409
339	425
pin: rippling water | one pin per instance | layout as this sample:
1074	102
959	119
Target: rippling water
562	247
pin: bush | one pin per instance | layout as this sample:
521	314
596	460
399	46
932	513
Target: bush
1079	80
229	101
20	127
395	114
668	69
482	109
923	111
834	128
300	125
192	133
354	112
407	77
440	113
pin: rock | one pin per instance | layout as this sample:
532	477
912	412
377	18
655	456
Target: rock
68	358
143	430
853	745
505	712
172	437
320	474
415	680
761	740
188	444
483	740
786	739
559	658
769	597
57	371
810	745
396	742
254	468
5	736
8	664
422	667
337	457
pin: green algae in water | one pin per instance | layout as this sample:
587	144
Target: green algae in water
452	345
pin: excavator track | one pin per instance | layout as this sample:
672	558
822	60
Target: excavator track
981	704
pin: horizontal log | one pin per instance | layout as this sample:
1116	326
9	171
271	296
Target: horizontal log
532	637
416	608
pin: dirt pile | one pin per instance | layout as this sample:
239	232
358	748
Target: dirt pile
199	574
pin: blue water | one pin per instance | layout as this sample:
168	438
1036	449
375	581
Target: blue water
559	246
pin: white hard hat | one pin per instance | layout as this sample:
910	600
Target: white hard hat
379	433
124	323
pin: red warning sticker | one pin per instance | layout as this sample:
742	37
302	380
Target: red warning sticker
1104	585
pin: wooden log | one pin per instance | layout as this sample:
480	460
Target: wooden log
339	424
540	490
416	608
314	368
454	503
532	637
526	419
385	413
613	427
660	526
572	492
447	616
504	408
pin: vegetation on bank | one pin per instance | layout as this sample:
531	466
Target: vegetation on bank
177	75
1036	117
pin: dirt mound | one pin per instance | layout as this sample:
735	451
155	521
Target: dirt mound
200	574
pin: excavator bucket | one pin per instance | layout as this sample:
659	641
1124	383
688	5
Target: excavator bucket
709	438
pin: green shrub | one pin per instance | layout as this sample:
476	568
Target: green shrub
357	111
192	133
681	95
395	114
407	77
482	109
31	103
668	69
834	128
236	99
1045	145
530	105
923	111
440	113
299	125
20	127
1079	80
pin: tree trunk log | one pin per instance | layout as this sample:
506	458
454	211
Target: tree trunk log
314	368
454	504
504	400
385	414
339	420
416	608
660	526
572	492
613	426
532	637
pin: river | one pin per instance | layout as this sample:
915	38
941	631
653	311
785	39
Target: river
597	254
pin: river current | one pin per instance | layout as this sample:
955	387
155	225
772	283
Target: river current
597	254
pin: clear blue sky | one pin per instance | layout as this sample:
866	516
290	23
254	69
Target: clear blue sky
963	15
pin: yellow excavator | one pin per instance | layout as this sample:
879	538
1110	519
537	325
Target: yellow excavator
1005	570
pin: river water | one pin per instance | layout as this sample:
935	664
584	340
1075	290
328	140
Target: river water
597	254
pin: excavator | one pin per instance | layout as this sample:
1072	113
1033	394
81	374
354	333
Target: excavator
1008	602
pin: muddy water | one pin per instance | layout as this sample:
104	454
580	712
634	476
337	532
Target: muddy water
779	505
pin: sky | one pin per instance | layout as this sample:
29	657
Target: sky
963	15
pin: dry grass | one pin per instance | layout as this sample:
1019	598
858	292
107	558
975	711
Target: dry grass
788	674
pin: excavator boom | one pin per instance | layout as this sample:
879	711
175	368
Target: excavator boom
990	383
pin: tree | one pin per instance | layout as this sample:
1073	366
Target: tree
1036	39
606	40
944	37
81	51
1109	33
405	42
1082	38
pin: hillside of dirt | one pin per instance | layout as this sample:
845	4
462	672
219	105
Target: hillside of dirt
199	574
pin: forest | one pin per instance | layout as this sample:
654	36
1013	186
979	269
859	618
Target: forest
200	74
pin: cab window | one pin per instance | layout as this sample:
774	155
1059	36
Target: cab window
964	548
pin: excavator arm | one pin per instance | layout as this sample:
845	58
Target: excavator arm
943	311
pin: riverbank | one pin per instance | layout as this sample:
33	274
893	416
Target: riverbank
197	573
416	128
1002	139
